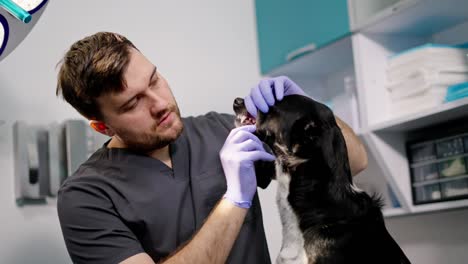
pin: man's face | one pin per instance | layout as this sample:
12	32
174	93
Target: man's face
145	115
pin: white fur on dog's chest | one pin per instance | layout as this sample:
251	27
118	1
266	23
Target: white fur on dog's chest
292	249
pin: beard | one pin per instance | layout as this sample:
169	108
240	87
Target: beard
150	141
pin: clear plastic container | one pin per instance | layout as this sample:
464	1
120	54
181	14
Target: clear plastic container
465	140
422	152
427	193
452	167
450	147
454	188
425	173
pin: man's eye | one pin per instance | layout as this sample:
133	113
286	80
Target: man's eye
154	83
132	104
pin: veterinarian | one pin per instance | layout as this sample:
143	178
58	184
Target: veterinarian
163	188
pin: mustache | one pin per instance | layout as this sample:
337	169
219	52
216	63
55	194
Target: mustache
162	113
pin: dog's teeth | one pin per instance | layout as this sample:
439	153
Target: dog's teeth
247	120
243	118
252	120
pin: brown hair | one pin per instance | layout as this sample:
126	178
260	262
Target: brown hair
93	66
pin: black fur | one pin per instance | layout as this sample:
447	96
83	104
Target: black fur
305	138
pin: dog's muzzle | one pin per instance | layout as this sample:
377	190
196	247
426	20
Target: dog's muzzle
242	115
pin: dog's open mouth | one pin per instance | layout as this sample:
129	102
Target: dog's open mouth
243	117
246	119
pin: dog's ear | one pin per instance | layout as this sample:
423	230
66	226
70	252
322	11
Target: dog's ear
304	136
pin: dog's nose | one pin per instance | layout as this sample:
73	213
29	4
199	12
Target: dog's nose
238	104
238	101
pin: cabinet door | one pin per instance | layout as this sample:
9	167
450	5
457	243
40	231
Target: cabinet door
288	29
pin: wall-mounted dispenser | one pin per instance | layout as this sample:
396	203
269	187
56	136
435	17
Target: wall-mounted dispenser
45	155
76	144
81	142
30	163
57	158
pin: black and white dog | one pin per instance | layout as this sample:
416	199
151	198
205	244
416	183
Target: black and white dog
325	218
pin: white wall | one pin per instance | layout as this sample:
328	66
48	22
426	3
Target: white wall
207	50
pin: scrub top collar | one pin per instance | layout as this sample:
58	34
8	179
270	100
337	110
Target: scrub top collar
178	151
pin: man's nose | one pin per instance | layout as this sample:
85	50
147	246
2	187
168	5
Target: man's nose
157	102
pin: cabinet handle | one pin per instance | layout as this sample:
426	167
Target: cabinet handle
300	51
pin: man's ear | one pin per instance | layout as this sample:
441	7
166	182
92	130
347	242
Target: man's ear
101	127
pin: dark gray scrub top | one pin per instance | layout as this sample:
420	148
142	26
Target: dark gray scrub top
120	203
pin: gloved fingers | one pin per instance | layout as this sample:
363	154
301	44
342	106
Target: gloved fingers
290	87
247	128
243	135
263	95
251	108
250	145
258	99
267	91
279	87
259	155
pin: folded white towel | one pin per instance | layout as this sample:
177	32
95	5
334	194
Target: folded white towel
425	100
428	66
427	52
422	80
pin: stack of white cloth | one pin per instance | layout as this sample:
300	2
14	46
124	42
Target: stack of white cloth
417	79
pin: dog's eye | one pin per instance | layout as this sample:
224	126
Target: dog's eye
311	129
310	125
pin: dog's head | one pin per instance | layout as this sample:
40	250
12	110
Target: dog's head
299	129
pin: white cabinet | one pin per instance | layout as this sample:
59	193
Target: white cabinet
287	30
399	29
380	30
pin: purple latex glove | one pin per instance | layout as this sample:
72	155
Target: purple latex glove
238	154
261	97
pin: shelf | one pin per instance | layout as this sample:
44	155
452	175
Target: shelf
443	113
440	180
435	161
439	206
426	209
432	17
417	17
392	212
323	61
